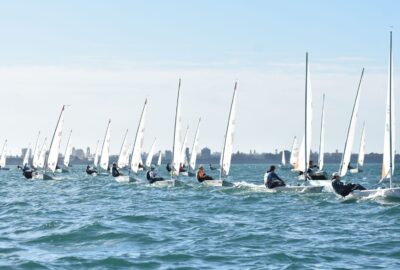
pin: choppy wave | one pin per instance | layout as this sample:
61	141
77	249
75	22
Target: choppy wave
87	222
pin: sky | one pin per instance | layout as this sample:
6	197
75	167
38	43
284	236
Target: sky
104	58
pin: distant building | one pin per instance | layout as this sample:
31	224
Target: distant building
205	153
87	152
168	156
78	153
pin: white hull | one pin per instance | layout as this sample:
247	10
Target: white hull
103	174
167	183
356	170
184	173
383	192
126	179
46	176
298	189
327	184
217	183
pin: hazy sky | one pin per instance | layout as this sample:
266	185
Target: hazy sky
105	57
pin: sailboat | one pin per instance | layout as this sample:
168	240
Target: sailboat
183	160
226	154
320	174
3	157
123	158
136	150
176	147
305	148
103	166
52	157
150	155
159	159
39	162
283	164
96	155
193	155
36	153
361	154
294	154
27	155
389	143
349	141
67	155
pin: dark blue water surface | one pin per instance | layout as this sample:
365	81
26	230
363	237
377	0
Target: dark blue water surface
84	222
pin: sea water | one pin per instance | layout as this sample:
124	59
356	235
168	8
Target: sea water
94	222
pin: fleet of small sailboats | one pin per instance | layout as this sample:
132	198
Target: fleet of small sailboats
45	165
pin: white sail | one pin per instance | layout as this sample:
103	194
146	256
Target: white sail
150	155
36	152
229	135
283	161
105	150
96	155
389	137
177	144
26	156
159	158
350	132
305	147
183	148
193	155
42	156
138	144
322	137
54	149
68	151
294	153
361	153
123	158
3	155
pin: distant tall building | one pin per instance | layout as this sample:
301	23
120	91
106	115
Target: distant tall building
23	151
187	153
168	156
205	153
88	152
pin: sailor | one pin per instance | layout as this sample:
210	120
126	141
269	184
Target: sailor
181	168
114	171
272	180
151	175
89	170
202	176
27	172
169	167
344	189
212	168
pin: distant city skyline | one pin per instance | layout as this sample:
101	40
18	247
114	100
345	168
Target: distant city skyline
104	58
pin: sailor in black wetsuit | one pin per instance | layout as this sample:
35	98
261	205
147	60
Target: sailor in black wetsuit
344	189
272	180
168	167
27	172
90	171
152	177
202	176
114	171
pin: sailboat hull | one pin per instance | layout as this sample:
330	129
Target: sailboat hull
167	183
356	170
383	192
298	189
217	183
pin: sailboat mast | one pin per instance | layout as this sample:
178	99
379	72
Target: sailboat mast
321	135
226	132
305	122
176	119
390	110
